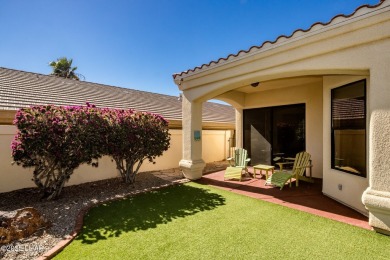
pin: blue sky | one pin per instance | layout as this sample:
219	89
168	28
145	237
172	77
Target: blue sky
139	44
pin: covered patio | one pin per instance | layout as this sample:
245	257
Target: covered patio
335	75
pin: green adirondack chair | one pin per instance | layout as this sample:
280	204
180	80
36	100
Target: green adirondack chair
233	173
238	163
280	178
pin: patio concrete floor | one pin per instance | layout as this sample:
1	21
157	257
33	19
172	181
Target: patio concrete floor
307	197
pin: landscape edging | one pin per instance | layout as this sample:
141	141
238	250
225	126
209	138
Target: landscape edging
80	220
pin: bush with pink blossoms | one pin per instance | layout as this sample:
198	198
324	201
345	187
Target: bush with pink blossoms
133	138
56	140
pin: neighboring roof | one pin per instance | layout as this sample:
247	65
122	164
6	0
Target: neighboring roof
348	108
281	38
21	89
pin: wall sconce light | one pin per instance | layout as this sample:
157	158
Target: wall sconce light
255	84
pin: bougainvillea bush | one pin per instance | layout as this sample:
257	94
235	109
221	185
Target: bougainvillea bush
135	137
56	140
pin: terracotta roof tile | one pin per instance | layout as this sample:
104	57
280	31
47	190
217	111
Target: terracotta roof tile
21	89
281	37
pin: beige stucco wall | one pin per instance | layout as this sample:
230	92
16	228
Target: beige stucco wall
352	186
14	177
11	175
212	142
311	96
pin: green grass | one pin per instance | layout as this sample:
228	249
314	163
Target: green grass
194	221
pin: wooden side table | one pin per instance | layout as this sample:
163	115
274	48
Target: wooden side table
263	167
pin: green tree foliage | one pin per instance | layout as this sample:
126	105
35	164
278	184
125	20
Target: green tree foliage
62	67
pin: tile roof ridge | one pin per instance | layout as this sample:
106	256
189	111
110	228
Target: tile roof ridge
23	71
276	40
84	82
99	84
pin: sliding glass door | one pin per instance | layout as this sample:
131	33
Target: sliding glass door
274	133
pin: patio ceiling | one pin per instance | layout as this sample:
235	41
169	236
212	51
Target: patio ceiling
280	83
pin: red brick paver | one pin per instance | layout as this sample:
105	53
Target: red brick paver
307	197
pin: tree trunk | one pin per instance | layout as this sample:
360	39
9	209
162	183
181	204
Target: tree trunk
51	181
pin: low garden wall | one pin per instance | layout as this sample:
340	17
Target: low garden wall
13	177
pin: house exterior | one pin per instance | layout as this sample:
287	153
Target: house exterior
325	90
21	89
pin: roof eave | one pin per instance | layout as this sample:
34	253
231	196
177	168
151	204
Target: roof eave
298	34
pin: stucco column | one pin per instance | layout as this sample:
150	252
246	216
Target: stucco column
239	124
192	163
377	196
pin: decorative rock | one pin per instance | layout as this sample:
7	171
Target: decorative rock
20	223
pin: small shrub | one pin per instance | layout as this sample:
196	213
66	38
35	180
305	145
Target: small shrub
135	137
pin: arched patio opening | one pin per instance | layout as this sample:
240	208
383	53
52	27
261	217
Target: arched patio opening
307	68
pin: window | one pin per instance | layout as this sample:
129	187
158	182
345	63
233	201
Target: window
349	128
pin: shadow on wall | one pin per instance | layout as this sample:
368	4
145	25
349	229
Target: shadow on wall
146	211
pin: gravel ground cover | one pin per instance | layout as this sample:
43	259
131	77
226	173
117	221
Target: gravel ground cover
62	213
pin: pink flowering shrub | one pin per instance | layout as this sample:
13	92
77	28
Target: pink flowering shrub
56	140
135	137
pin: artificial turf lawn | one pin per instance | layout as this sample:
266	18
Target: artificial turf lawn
195	221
